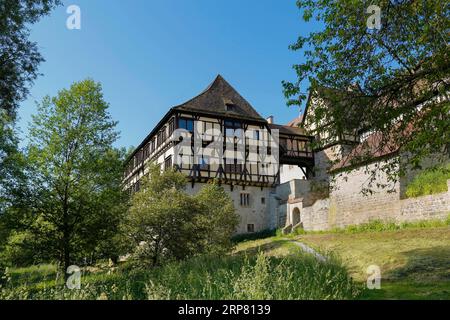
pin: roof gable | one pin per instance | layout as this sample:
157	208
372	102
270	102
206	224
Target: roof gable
221	98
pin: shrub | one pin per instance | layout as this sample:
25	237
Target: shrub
429	181
255	235
380	225
165	223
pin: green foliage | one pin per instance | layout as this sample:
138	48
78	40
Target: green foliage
19	250
19	56
429	181
256	235
31	274
165	223
74	176
369	78
217	218
226	277
380	225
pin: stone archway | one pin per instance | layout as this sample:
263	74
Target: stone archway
295	216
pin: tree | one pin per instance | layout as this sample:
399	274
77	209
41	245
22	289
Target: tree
19	57
165	223
393	80
75	171
219	218
19	61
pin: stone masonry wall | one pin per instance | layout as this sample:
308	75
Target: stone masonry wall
315	217
348	206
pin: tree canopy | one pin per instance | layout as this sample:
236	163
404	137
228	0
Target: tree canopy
19	62
393	81
74	175
166	223
19	56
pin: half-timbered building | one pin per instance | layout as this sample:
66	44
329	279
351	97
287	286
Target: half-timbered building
221	109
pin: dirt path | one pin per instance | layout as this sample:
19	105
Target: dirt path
309	250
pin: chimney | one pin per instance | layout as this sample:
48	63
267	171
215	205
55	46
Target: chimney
270	120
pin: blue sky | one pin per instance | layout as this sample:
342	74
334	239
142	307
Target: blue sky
150	55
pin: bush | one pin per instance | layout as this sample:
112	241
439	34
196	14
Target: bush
429	181
165	223
19	249
255	235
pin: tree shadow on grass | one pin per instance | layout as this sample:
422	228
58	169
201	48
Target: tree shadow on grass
426	275
430	264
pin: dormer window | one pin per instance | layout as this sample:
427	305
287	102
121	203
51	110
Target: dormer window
230	107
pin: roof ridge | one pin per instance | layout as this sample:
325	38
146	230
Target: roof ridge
220	88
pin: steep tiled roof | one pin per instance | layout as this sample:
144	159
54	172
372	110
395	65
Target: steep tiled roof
373	147
221	98
295	122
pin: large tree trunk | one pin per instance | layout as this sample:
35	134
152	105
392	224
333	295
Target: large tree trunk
66	253
66	235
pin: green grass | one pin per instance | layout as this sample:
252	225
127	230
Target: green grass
414	259
414	263
378	226
429	181
272	270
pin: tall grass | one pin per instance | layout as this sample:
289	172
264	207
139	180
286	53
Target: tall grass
229	277
380	225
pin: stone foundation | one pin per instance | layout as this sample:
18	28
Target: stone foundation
343	209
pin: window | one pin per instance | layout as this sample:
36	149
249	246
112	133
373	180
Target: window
245	199
251	227
147	150
163	133
230	127
187	124
171	126
161	136
168	163
152	146
204	164
233	167
230	107
263	200
158	139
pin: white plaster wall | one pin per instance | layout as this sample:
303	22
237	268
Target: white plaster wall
290	172
256	213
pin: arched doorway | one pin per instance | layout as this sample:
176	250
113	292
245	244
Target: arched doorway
295	216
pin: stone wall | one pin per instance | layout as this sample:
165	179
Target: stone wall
436	206
348	206
315	217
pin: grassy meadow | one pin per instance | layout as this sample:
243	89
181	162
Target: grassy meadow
262	269
414	260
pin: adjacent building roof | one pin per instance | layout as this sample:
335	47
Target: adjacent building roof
221	98
288	129
296	122
375	146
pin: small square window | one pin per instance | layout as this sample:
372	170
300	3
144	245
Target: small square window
263	200
251	227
